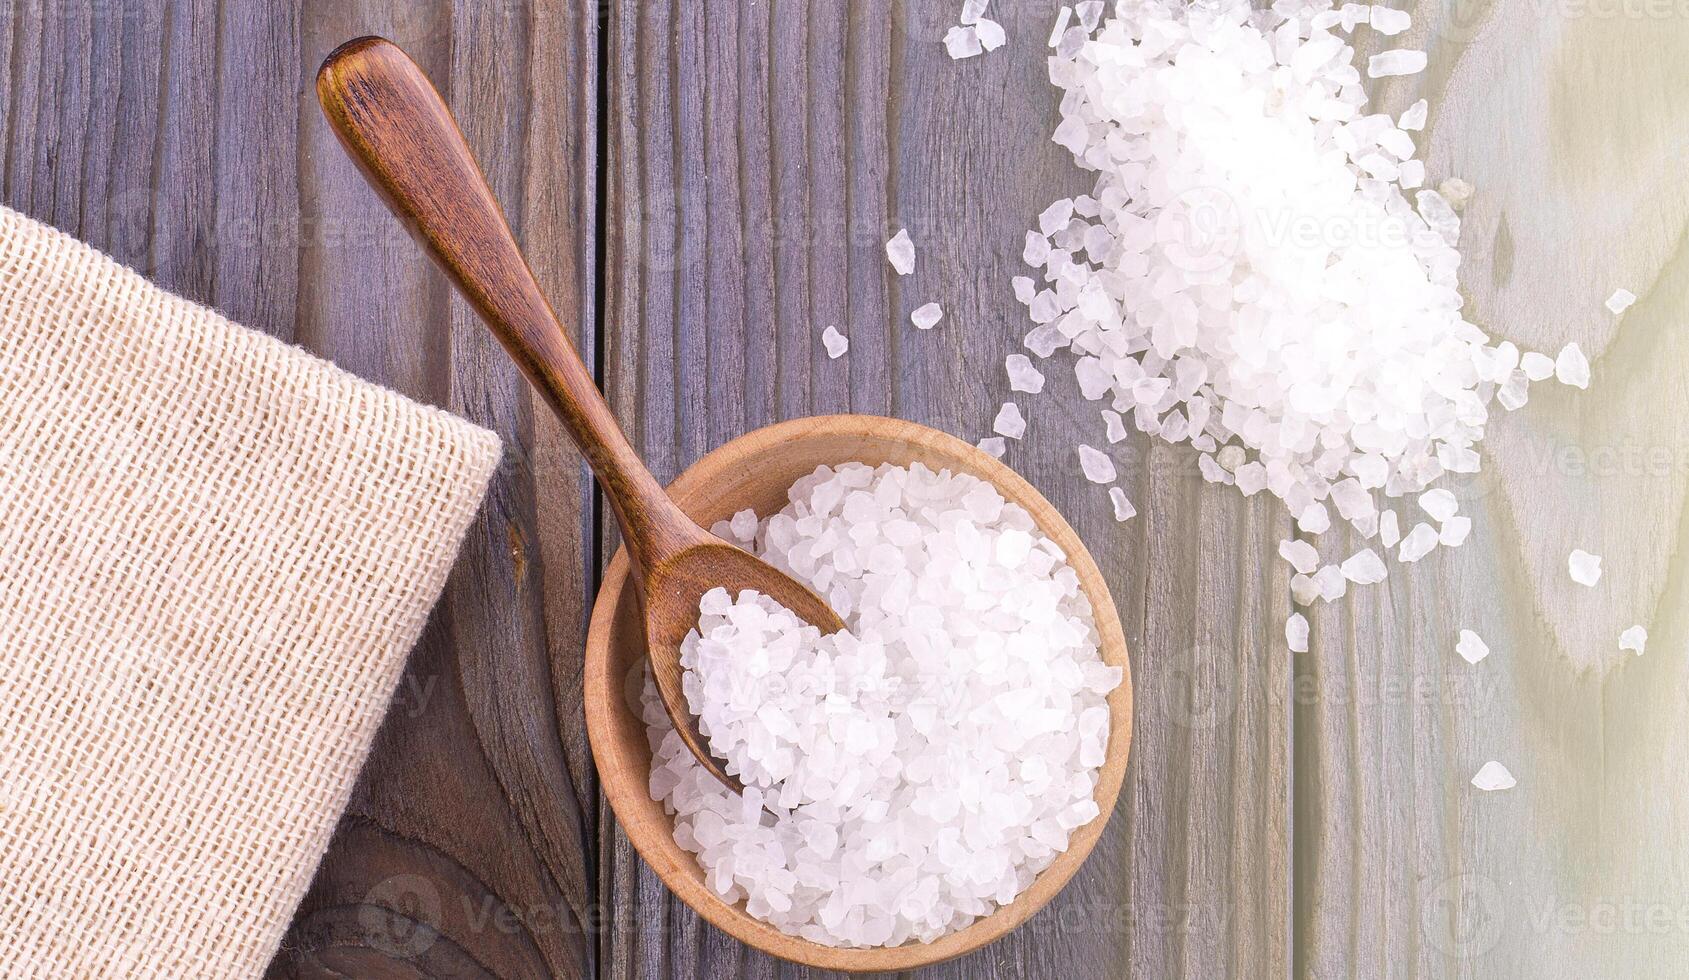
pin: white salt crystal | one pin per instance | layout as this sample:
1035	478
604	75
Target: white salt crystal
1414	117
1389	21
1296	633
1097	466
1494	776
1114	426
1635	638
973	10
1389	529
1471	647
1364	567
1301	555
1009	422
962	42
835	342
1417	544
1571	367
1331	582
1062	18
900	252
993	446
926	317
1439	503
1584	567
1123	509
1537	366
990	33
1022	375
1314	519
1398	62
1620	301
1455	191
1024	288
1454	531
1303	589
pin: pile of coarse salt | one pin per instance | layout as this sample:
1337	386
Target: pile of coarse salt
1248	275
918	771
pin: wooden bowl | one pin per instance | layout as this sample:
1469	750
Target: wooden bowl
755	471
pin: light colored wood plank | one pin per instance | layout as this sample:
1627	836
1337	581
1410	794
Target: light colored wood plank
1569	121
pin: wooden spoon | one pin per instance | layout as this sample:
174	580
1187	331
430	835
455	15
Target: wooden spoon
404	138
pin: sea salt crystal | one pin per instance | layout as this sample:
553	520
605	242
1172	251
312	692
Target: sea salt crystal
962	42
1471	647
1417	544
1022	375
1331	582
1439	503
1455	191
1114	427
1097	466
1059	31
900	252
926	317
993	446
1493	776
973	10
1537	366
835	342
1584	567
1389	529
1635	638
1413	118
1571	367
1620	301
1364	568
1304	589
1398	62
1389	21
1296	633
1123	509
1301	555
1314	519
1009	422
1454	531
990	33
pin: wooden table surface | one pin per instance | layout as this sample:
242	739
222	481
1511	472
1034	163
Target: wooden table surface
702	185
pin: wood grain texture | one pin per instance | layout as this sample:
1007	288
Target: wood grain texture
182	138
760	154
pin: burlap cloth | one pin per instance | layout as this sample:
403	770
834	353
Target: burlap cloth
215	552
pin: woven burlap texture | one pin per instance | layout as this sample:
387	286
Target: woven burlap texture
215	552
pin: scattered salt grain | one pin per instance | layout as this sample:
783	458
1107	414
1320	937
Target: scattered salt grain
1537	366
1331	582
1296	633
1063	17
993	446
1364	567
990	33
1022	375
1314	519
1414	116
973	10
1398	62
926	317
897	791
1301	555
1471	647
1114	426
1494	776
1620	301
1389	529
1390	21
1123	509
1417	544
1439	503
1303	589
962	42
900	252
1571	367
1454	531
1455	191
1635	638
835	342
1009	422
1584	567
1097	466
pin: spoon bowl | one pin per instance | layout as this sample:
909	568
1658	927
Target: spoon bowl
755	471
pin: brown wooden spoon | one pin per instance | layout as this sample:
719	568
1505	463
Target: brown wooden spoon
406	142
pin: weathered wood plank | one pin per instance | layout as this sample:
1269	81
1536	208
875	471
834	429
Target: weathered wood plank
1568	120
760	155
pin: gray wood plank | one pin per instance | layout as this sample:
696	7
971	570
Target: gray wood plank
760	155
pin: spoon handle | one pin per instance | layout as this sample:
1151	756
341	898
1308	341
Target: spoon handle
396	126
